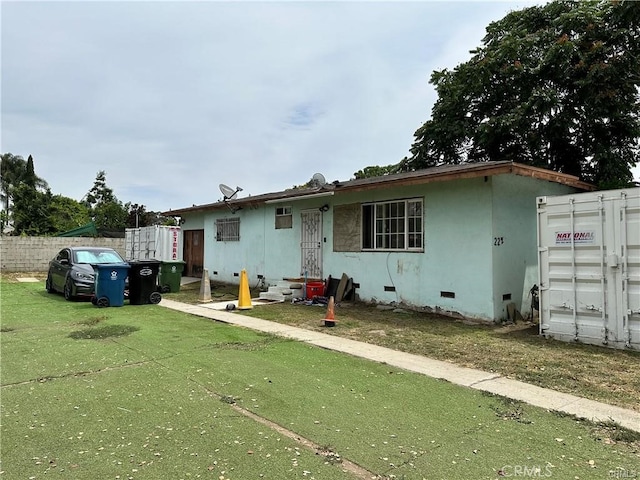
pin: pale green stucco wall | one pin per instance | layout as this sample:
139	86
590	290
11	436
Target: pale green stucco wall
226	259
262	249
515	259
457	216
194	222
461	220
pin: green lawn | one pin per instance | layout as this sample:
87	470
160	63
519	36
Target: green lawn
514	351
143	392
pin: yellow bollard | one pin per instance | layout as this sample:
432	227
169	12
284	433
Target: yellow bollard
244	296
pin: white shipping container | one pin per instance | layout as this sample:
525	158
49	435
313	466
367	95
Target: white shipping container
157	242
589	267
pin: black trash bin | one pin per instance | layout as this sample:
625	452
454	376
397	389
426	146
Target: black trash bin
143	278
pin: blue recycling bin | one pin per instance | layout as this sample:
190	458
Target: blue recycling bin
109	284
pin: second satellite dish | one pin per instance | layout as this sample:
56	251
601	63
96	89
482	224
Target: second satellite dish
228	192
318	180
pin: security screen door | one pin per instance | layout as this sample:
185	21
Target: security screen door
311	244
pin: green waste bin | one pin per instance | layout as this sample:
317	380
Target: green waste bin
170	276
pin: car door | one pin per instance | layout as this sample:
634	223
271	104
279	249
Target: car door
59	267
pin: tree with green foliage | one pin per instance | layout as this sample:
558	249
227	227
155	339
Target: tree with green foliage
12	169
107	212
164	220
31	211
27	200
375	171
138	216
110	216
14	172
554	86
100	192
30	178
26	196
67	214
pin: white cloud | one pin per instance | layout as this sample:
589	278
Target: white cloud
173	98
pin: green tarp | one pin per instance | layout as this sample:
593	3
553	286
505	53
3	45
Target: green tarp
90	230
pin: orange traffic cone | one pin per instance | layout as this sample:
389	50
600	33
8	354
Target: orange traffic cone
244	296
330	319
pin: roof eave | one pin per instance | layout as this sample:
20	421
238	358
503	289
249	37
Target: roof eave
485	169
275	197
551	176
421	177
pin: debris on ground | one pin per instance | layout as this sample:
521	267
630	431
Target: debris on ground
341	289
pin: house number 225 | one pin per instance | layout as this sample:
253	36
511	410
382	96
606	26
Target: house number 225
497	241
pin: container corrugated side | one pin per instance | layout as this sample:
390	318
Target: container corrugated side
589	267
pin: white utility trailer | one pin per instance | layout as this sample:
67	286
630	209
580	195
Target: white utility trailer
589	267
157	242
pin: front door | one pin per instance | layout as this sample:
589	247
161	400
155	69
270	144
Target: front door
193	252
311	244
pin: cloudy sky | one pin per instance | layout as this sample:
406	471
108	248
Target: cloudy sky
173	98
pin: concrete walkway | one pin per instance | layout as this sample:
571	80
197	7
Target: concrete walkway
488	382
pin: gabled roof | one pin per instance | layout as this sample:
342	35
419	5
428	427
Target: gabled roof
442	173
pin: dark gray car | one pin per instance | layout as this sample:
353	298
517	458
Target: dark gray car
71	271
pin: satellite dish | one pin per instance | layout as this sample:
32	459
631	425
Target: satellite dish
228	192
318	180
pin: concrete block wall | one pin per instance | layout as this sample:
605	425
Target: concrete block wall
32	254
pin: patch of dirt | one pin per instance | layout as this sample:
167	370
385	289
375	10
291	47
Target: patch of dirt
381	333
106	331
15	276
516	327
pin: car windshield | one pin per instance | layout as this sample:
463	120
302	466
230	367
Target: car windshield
97	257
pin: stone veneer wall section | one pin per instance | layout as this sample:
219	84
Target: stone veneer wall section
32	254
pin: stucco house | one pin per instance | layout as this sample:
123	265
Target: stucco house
457	239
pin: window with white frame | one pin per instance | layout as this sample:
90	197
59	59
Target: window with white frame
396	225
228	229
284	217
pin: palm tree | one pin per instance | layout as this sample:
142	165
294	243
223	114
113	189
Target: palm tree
12	169
15	171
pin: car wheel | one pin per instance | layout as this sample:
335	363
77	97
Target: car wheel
49	285
68	290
